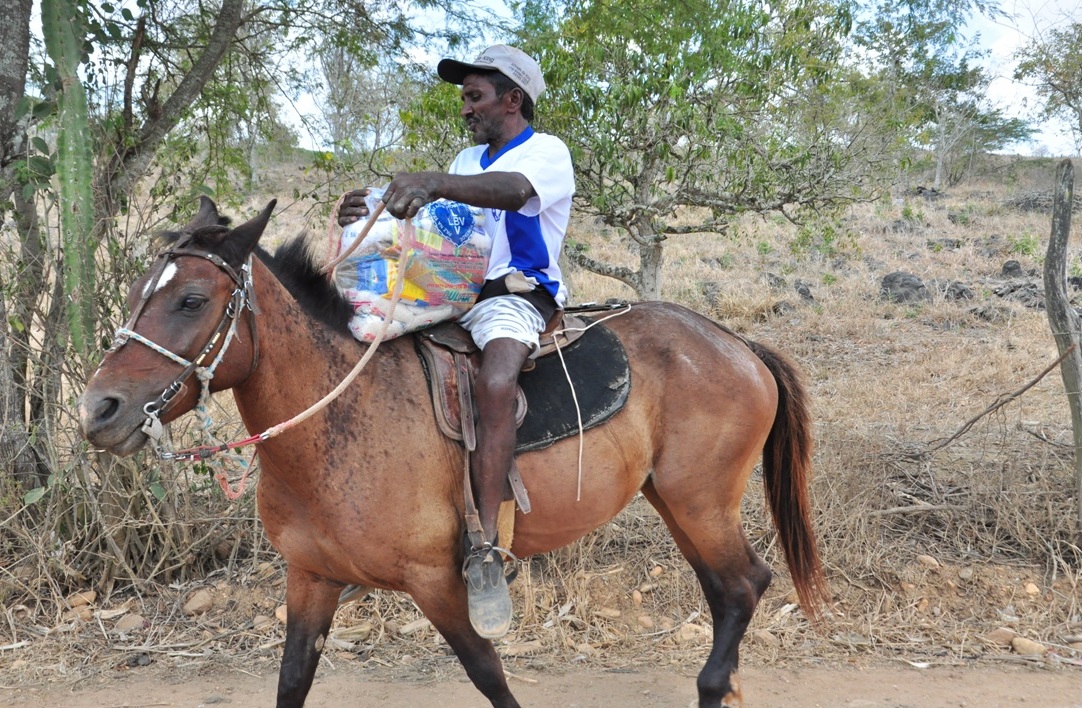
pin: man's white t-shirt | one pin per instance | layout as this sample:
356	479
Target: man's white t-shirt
530	239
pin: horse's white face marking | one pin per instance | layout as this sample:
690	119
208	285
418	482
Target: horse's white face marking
167	275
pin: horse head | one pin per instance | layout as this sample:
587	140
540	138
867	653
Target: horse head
191	325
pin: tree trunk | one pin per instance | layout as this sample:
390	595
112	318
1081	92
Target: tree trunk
16	455
1066	324
646	281
940	153
651	255
14	57
651	258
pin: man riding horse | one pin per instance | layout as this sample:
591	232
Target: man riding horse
524	180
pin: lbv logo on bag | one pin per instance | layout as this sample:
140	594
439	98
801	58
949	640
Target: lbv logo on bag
453	221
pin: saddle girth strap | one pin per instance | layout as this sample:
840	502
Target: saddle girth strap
465	400
474	531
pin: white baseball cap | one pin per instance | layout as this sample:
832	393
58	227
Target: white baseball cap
513	63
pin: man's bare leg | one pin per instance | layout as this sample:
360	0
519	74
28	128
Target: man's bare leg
497	380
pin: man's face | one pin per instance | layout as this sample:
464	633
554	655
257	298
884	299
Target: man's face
482	110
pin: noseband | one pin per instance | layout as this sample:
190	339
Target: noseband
243	296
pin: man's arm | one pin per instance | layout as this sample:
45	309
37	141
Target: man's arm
409	191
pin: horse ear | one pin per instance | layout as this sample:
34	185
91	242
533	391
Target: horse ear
206	216
242	240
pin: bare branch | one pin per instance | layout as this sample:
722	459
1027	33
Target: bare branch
130	162
624	275
705	227
999	403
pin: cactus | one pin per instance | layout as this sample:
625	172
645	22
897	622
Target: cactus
64	31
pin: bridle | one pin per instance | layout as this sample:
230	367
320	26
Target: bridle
243	296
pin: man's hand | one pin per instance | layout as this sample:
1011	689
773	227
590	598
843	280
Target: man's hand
409	191
353	207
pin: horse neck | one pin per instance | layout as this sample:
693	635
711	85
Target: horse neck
300	358
301	361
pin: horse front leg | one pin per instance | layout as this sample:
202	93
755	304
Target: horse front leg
443	602
310	605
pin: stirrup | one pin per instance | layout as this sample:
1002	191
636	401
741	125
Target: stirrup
483	550
353	592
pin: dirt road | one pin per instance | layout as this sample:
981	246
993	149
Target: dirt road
884	686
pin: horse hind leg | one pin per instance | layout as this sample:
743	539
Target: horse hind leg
732	601
733	579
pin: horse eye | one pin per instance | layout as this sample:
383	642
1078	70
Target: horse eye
191	303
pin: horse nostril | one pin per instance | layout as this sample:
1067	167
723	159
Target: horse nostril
106	409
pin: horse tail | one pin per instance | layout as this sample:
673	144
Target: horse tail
786	476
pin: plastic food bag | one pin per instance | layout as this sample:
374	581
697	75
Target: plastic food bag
444	266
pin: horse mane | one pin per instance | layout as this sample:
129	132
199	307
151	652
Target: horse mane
293	263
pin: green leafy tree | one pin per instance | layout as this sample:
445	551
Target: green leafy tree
362	111
708	108
381	110
433	136
935	84
1053	62
983	132
963	123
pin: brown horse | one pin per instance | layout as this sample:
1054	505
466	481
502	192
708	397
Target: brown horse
370	492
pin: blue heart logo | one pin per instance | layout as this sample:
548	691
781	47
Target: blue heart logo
453	221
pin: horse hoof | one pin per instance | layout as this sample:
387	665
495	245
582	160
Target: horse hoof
486	590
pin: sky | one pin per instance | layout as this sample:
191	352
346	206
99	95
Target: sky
1026	19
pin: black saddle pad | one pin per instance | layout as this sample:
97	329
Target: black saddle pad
599	373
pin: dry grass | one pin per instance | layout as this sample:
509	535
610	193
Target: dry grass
928	546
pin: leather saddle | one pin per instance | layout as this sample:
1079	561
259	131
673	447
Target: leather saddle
583	387
451	360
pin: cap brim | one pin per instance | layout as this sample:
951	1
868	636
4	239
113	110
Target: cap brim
455	72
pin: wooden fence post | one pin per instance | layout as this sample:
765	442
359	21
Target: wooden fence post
1065	322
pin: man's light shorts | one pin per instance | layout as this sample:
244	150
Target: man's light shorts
504	316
